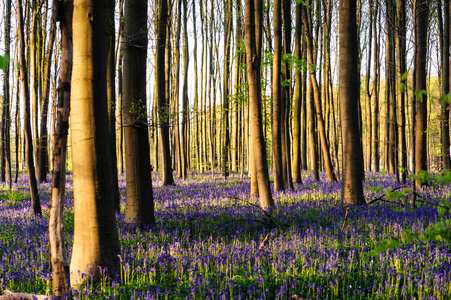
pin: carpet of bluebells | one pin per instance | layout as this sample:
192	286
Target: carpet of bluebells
208	244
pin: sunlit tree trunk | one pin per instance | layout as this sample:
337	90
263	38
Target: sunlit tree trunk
253	29
376	113
445	87
96	241
184	145
402	82
59	259
35	203
286	98
352	186
111	95
317	101
277	99
297	100
163	105
6	117
421	16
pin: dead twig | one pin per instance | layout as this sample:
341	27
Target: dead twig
267	214
263	243
344	221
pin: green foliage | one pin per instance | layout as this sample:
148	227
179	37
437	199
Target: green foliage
445	98
4	59
440	231
14	198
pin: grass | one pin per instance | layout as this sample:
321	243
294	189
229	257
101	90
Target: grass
207	245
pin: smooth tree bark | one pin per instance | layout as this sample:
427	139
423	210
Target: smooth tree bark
276	127
140	206
253	38
59	260
163	105
375	136
402	82
445	87
286	97
43	155
96	243
421	17
111	94
35	203
6	117
184	145
317	101
297	99
352	179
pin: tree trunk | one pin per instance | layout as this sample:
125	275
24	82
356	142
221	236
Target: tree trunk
163	105
26	117
352	186
111	95
421	16
253	29
6	117
140	206
317	101
445	88
297	99
59	260
277	99
96	241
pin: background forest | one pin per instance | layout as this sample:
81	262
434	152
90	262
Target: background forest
147	105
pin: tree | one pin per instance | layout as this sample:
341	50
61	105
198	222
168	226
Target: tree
163	106
6	119
317	100
297	100
421	16
445	88
26	117
111	94
96	241
352	185
60	264
277	99
253	33
140	206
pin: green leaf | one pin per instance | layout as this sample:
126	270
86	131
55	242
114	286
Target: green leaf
404	76
4	59
441	211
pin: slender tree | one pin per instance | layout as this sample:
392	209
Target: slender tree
60	263
421	16
163	106
352	186
26	117
297	99
253	33
276	99
445	87
6	118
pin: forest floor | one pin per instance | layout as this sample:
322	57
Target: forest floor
212	241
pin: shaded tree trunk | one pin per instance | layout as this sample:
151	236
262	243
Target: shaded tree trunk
140	206
352	186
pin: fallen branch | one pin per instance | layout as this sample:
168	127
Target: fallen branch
268	215
296	297
380	198
24	296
